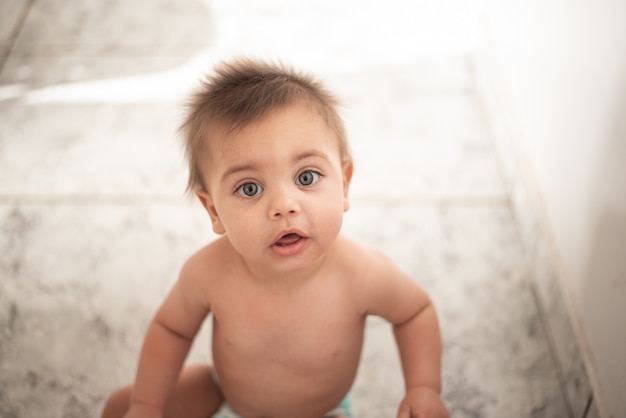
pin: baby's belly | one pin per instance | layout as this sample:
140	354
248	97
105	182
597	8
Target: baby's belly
304	373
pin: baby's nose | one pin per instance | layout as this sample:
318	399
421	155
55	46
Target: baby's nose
282	205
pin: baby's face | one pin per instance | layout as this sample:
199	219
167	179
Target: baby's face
278	188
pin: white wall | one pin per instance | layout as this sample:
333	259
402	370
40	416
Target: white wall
563	68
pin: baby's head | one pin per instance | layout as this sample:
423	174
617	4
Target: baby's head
241	92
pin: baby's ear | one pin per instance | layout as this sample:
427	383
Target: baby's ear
348	169
207	202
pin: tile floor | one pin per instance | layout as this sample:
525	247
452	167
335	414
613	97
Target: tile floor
94	225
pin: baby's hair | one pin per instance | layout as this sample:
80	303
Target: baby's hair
242	91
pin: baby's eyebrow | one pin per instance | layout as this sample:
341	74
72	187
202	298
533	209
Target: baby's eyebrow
237	168
310	154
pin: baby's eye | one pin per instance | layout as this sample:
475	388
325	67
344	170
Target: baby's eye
249	189
307	178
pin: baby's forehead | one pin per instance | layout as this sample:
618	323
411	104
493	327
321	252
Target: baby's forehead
220	131
230	128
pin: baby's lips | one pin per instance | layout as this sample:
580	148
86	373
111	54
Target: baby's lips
288	239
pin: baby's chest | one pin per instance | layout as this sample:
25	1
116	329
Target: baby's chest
289	333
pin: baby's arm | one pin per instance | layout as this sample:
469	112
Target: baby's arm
167	344
419	344
400	300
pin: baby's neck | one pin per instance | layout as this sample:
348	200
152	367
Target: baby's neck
286	280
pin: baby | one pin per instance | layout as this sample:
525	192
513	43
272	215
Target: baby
289	296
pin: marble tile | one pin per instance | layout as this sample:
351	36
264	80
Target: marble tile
92	150
535	238
134	148
414	142
28	70
400	78
94	227
440	240
79	287
118	24
497	360
499	117
573	375
11	13
526	216
543	276
379	386
105	39
66	267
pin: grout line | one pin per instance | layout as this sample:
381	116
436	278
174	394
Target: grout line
486	99
436	200
494	200
549	336
588	406
15	34
91	199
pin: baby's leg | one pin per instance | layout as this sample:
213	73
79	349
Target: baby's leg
195	395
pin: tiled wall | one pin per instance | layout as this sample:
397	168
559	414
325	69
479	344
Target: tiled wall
543	266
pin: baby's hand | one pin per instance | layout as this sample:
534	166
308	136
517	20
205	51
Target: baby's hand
422	402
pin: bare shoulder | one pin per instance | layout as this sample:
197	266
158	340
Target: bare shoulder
206	268
209	261
383	288
191	298
365	261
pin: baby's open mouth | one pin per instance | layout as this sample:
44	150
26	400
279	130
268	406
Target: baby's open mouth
288	239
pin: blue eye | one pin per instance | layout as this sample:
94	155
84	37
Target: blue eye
249	189
307	178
